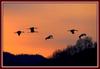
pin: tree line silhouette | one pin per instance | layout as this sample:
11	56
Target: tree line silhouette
83	53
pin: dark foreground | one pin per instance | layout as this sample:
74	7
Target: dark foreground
83	53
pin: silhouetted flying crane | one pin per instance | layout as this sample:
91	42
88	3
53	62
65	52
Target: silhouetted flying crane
19	32
72	31
49	37
82	35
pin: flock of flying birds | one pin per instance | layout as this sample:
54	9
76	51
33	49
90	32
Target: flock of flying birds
32	30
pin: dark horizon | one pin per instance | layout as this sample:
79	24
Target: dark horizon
78	55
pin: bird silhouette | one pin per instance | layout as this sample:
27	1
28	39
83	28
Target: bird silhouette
19	32
32	29
72	31
49	37
82	35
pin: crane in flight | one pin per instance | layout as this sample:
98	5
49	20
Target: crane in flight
19	32
72	31
82	35
32	29
49	37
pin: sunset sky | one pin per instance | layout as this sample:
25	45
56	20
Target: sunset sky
50	18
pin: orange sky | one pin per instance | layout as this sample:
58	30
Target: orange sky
49	18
